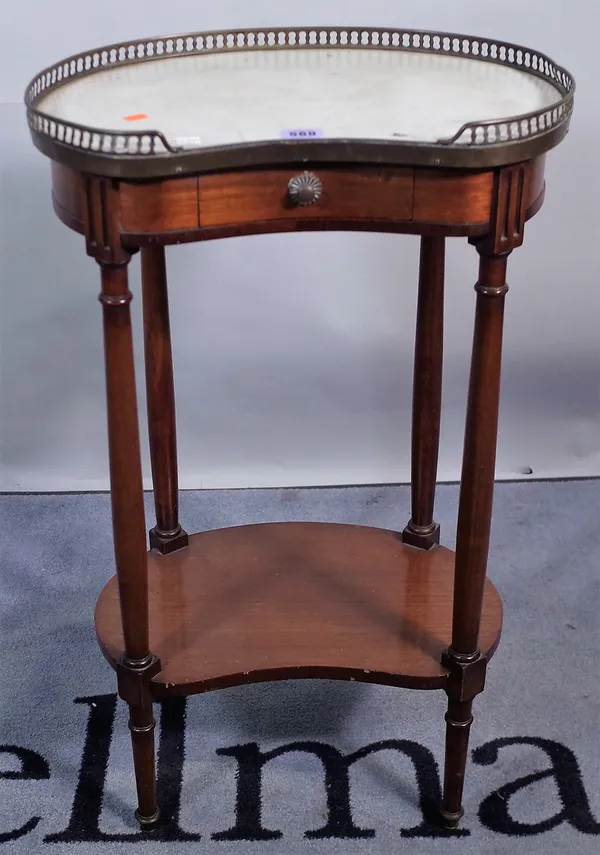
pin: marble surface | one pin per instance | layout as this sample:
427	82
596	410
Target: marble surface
249	96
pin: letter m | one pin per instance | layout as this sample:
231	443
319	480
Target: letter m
336	766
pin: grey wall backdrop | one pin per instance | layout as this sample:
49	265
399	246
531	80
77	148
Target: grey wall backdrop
293	354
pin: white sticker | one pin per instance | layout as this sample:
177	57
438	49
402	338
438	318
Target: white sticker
301	134
188	142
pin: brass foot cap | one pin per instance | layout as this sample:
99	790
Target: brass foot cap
451	819
148	823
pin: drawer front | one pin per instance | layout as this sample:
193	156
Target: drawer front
163	206
261	195
451	196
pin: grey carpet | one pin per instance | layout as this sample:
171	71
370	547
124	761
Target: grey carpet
538	720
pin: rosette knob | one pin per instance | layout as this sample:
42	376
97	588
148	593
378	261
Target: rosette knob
305	189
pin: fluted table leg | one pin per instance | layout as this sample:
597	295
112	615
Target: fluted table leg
463	658
129	531
138	665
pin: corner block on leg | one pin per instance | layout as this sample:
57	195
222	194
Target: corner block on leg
166	542
466	678
133	677
423	537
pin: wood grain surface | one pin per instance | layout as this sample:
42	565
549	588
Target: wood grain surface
68	196
283	600
245	197
422	201
452	196
160	206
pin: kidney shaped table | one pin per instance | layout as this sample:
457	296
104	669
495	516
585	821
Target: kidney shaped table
207	135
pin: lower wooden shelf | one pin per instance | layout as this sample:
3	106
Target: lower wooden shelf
286	600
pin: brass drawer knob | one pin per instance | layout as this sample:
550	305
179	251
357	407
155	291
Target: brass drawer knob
305	189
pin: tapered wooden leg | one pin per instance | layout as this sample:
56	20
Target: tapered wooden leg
479	457
167	535
127	495
458	726
141	725
463	658
129	525
422	530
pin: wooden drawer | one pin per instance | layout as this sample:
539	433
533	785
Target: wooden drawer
260	195
247	201
170	205
452	196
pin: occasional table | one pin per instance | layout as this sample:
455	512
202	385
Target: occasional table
208	135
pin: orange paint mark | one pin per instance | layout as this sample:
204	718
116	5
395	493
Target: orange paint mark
135	117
